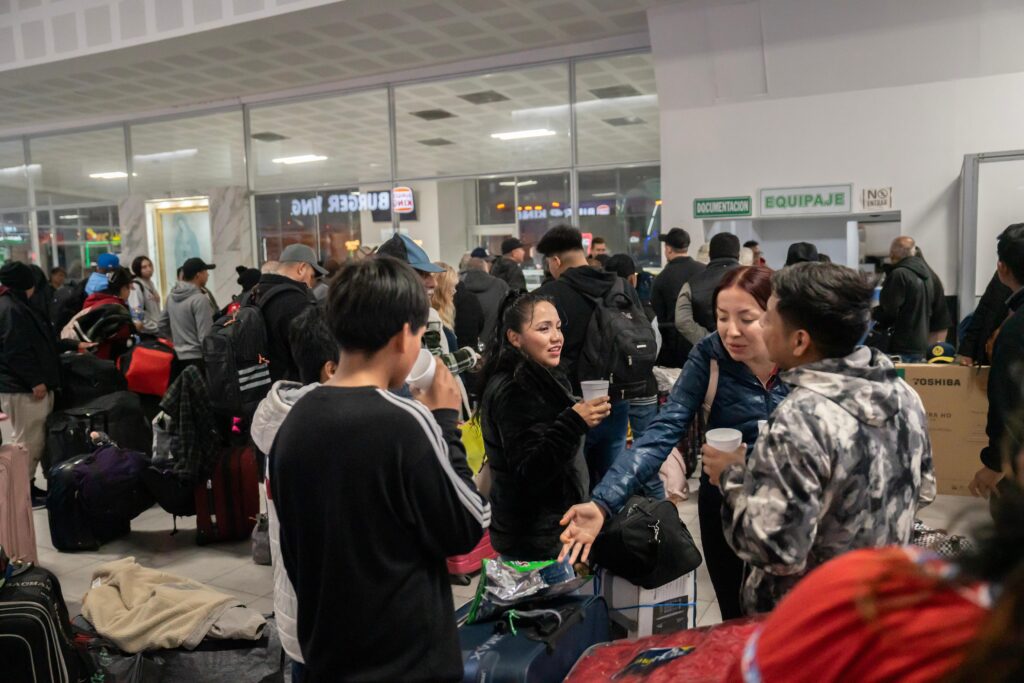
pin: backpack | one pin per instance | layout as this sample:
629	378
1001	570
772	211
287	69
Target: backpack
620	345
237	358
67	302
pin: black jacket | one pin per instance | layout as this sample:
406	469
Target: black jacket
702	290
534	443
489	291
905	305
279	312
675	274
469	317
940	318
988	316
28	346
511	272
1005	430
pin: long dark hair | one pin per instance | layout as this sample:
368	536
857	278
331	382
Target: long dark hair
514	313
137	265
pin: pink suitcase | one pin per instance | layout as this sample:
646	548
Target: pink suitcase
461	567
17	530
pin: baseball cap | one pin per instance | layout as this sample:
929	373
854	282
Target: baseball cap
191	267
403	248
511	244
801	252
300	253
107	260
480	252
677	238
941	353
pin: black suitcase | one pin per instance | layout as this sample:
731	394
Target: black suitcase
85	378
35	634
120	415
67	436
70	529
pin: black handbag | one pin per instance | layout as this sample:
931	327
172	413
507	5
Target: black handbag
646	544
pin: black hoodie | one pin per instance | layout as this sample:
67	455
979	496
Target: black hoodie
905	305
571	292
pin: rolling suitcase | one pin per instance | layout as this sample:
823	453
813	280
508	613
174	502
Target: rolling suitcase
461	567
17	529
84	378
122	418
70	529
228	501
110	485
35	634
67	436
533	654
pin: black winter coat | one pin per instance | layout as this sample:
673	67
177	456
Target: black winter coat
534	444
702	290
511	272
905	305
676	273
469	317
1005	381
28	346
988	316
278	313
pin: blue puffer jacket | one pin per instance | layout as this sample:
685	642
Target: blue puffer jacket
740	402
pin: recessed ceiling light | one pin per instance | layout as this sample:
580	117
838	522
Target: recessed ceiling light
269	137
109	175
436	142
625	121
522	134
433	114
164	156
521	183
300	159
484	97
603	194
614	92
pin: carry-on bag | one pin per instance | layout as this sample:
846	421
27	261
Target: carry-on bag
110	485
228	501
120	416
701	655
462	567
534	643
84	378
70	529
35	634
67	436
148	366
17	528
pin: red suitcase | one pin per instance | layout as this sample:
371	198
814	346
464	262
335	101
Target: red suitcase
700	655
228	503
148	366
461	567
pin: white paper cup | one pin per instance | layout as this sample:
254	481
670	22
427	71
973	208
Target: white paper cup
725	440
594	388
422	374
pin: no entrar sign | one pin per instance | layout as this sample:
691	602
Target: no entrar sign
721	207
792	201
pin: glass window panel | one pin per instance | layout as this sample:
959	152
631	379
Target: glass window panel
617	110
345	139
15	241
449	127
79	167
623	205
186	157
496	198
13	180
543	200
81	234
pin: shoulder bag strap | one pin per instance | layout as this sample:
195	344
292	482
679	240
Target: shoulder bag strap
709	397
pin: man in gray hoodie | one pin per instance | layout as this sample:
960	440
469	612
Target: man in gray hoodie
188	317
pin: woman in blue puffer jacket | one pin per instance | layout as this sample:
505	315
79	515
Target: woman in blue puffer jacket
748	390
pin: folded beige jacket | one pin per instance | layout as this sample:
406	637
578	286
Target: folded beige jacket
145	609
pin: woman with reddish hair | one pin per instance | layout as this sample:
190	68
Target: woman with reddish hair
729	377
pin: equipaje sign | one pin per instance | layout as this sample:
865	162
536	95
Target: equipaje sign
795	201
722	207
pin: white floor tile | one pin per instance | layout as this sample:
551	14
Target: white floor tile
247	577
710	616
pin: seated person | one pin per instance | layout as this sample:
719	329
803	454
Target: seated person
844	462
373	493
533	430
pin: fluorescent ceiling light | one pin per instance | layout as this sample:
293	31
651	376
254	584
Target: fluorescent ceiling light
604	194
109	175
19	169
300	159
69	217
162	156
521	183
521	134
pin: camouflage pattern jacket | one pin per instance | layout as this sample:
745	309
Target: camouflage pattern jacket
844	463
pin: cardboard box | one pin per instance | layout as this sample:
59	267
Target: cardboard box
957	404
661	609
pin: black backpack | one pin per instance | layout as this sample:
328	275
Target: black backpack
620	345
236	356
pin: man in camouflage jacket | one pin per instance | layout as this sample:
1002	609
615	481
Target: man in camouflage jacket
845	461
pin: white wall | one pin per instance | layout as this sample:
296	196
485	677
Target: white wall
776	93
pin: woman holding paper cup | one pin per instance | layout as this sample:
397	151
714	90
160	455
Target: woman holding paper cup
729	376
533	429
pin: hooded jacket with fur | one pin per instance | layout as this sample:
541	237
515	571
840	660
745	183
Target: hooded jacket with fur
844	463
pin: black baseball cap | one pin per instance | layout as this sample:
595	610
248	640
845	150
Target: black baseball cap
194	266
479	252
511	244
801	252
677	238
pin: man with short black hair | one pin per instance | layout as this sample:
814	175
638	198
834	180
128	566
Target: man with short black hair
188	317
599	247
694	314
1005	428
906	302
679	269
282	295
509	267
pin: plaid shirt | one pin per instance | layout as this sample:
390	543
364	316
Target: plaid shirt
457	362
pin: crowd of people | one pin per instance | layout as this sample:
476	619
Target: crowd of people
368	476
